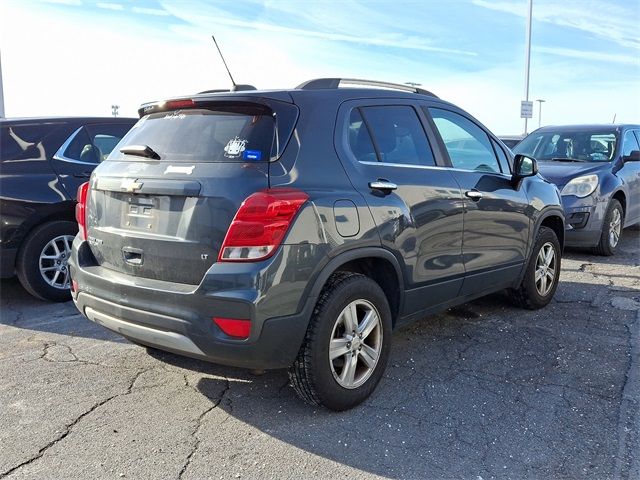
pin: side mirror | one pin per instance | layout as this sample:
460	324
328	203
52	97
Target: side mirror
634	156
524	166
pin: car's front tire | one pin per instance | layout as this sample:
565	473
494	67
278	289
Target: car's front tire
540	280
347	344
611	229
41	264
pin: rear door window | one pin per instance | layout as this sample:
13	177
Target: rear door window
93	143
396	134
203	135
468	145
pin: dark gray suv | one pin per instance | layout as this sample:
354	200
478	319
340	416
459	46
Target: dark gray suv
298	228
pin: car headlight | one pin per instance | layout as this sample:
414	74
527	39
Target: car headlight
581	186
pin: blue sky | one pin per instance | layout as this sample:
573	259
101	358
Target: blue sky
80	56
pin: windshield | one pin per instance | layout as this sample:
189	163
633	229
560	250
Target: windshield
596	146
202	135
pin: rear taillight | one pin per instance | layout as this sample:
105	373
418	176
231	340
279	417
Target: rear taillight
81	209
261	224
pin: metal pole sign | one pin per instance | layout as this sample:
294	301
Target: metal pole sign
526	109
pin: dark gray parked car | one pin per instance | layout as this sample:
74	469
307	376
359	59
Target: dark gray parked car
299	228
597	169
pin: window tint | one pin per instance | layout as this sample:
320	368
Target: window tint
467	144
359	138
398	135
198	135
629	143
502	157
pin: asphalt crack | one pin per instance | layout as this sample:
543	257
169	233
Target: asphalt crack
69	427
199	422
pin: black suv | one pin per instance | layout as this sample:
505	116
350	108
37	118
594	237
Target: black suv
43	161
299	228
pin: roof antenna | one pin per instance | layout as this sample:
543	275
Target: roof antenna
614	118
225	63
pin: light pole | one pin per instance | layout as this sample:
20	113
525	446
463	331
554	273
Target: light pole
114	110
540	102
527	62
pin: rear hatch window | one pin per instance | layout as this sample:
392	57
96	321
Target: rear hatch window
232	134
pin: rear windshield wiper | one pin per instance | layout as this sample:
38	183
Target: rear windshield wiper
141	151
568	160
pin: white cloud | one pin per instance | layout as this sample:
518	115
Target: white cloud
150	11
110	6
73	3
379	39
600	18
603	58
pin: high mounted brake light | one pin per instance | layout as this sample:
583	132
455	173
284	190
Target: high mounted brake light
177	104
260	225
81	209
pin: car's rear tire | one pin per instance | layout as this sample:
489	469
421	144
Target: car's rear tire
41	264
611	229
540	280
334	367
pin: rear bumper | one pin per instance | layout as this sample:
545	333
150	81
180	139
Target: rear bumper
7	262
178	318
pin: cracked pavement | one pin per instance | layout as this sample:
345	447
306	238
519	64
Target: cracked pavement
482	391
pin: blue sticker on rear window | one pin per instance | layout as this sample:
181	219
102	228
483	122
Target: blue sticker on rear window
252	154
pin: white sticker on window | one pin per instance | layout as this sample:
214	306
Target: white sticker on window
235	147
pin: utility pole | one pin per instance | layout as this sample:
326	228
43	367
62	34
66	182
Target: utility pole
540	102
525	110
1	92
114	110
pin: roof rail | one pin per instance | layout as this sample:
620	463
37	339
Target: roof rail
328	83
235	88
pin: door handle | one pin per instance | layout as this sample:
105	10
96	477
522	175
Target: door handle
385	186
474	195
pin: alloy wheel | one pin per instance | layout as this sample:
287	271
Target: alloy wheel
356	344
545	269
615	227
54	260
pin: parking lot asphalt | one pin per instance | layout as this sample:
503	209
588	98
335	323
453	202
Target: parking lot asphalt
482	391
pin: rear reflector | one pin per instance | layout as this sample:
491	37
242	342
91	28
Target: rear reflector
81	209
260	224
234	327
